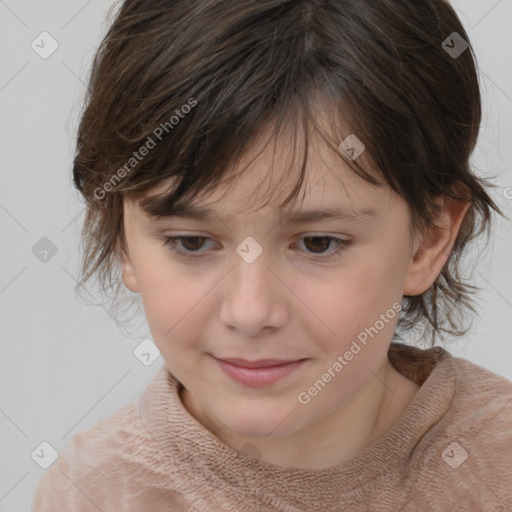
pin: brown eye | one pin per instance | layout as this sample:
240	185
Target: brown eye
319	243
323	246
186	246
192	243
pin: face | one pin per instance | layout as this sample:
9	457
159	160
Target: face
323	294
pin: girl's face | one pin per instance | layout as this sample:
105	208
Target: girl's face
322	293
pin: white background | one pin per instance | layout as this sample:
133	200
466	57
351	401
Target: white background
65	365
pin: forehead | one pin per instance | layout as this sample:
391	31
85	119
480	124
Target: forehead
267	173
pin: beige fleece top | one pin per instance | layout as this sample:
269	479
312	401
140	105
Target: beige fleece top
451	450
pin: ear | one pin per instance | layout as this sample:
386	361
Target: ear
129	277
432	251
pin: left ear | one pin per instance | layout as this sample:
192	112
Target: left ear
433	250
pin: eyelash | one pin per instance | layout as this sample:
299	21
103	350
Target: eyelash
171	241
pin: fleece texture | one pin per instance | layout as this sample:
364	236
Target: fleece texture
451	450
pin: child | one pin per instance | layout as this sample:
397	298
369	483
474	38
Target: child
284	386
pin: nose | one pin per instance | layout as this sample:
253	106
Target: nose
254	298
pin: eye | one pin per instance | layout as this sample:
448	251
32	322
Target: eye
191	245
319	243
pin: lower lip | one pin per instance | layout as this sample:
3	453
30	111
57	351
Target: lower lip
258	377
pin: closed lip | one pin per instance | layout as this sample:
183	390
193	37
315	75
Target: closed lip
262	363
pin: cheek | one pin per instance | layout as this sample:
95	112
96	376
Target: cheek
178	306
354	296
359	316
167	294
355	314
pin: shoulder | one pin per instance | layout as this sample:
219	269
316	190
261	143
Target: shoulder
92	471
469	451
477	377
482	406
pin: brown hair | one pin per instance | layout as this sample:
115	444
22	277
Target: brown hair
195	81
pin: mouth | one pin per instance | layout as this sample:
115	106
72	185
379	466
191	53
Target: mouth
264	372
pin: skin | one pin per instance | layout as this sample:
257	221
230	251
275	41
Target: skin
287	304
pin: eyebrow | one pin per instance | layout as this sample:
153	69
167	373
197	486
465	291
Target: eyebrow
204	213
